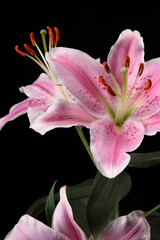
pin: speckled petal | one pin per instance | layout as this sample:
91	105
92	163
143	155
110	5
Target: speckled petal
150	98
129	43
109	144
79	73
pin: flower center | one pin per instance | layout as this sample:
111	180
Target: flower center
127	98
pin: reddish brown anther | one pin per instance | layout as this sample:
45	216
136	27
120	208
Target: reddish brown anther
127	62
140	70
102	81
106	67
57	34
19	51
51	36
29	49
32	38
110	91
148	85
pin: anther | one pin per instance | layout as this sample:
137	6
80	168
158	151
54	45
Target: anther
127	62
57	34
19	51
140	70
148	85
29	49
110	91
32	38
51	36
102	81
106	67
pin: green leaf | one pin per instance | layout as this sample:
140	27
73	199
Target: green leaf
50	206
154	222
81	190
79	213
105	195
37	207
46	203
144	160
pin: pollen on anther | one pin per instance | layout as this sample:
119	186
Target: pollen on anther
51	36
57	34
140	70
19	51
29	49
32	38
148	85
127	62
106	67
102	81
110	91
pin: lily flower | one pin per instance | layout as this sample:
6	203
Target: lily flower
45	94
120	96
132	226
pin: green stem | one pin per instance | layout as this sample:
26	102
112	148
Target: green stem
116	210
84	141
152	210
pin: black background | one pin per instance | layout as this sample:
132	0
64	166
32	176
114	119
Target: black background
29	162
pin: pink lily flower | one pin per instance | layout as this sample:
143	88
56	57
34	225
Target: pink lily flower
132	226
45	94
120	96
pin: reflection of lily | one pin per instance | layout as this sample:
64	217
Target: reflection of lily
122	96
64	227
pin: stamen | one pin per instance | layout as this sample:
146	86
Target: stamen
51	36
110	91
127	62
148	85
106	67
32	38
140	70
57	34
19	51
29	49
102	81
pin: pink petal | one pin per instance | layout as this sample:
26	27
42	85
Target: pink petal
109	145
42	87
16	111
152	124
37	105
63	219
130	227
128	44
79	73
151	97
63	113
29	228
41	93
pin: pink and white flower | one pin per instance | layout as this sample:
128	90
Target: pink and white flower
132	226
45	94
121	96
